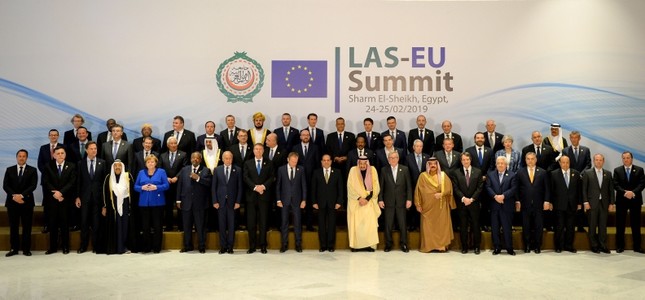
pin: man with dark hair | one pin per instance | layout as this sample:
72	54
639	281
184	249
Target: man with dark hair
468	184
45	156
287	135
193	187
118	148
229	134
59	182
533	194
372	138
70	136
425	135
146	132
90	175
326	196
629	182
209	129
317	134
339	143
19	183
106	136
185	138
398	136
258	176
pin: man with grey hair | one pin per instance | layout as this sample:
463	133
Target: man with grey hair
395	198
598	198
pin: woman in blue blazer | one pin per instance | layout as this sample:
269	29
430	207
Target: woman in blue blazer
151	184
512	156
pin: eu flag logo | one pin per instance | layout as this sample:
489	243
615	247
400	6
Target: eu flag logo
299	79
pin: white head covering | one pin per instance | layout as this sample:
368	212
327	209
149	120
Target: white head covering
211	156
120	189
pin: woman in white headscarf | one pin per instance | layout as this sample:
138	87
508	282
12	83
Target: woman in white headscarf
116	208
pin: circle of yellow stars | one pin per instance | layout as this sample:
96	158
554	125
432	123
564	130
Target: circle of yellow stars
300	90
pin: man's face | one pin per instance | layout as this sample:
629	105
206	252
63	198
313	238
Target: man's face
360	143
286	120
209	144
147	144
448	145
312	120
227	158
446	126
109	124
293	161
53	137
393	159
242	137
555	131
305	136
210	128
340	125
368	126
60	155
598	161
391	124
501	165
417	147
362	165
421	121
258	122
326	161
271	140
531	160
177	125
479	139
117	132
564	163
81	134
490	126
387	141
146	131
465	161
258	151
172	145
91	151
575	139
627	159
433	167
536	137
77	122
230	122
21	158
117	168
195	159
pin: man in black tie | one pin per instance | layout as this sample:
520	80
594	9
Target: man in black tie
291	193
287	135
447	133
395	199
629	182
372	139
91	173
227	195
467	187
566	185
60	183
416	162
172	162
317	134
339	143
45	156
398	136
185	138
598	198
118	148
193	186
326	196
544	153
19	183
209	129
229	134
580	160
242	151
258	176
361	150
493	139
502	188
309	158
71	136
106	136
423	134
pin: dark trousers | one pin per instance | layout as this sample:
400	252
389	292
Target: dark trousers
294	207
327	226
151	225
564	230
634	221
469	215
598	226
413	218
226	218
532	227
169	217
503	218
18	214
485	213
392	212
211	223
122	227
90	212
257	212
194	217
58	221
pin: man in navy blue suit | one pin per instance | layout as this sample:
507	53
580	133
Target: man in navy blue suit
534	194
287	135
227	195
501	187
45	156
91	173
291	193
317	134
398	136
193	187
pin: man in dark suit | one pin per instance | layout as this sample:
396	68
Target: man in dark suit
118	148
209	129
534	196
229	134
339	143
317	134
45	156
277	156
382	154
398	136
70	136
467	187
421	133
287	135
90	175
361	150
501	187
372	139
566	185
326	196
172	162
140	156
19	183
76	149
146	131
227	195
544	153
395	198
482	156
416	163
493	139
449	158
580	160
629	182
60	184
291	193
106	136
258	176
598	198
185	138
447	133
242	150
309	158
193	187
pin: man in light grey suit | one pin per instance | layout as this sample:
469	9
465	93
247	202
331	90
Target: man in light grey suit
599	198
395	198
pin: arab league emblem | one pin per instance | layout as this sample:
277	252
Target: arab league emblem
240	78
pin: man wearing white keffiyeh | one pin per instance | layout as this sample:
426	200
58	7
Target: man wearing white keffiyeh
211	153
116	201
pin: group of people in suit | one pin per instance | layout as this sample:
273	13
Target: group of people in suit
258	177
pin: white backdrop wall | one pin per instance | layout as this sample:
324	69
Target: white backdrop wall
524	64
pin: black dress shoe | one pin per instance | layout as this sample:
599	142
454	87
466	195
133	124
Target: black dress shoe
26	253
322	249
497	251
605	250
464	251
81	250
263	250
353	249
283	249
298	249
230	251
331	249
527	249
369	249
404	248
477	251
558	250
620	250
639	251
45	230
537	251
202	250
65	251
222	251
50	251
572	250
250	251
510	252
11	253
184	250
387	249
595	250
581	229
